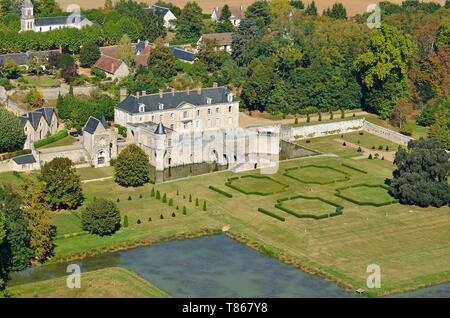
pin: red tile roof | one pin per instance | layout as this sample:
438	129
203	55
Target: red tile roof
108	64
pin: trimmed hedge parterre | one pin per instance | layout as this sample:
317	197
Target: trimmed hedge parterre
376	204
267	212
354	168
230	180
280	206
287	170
228	195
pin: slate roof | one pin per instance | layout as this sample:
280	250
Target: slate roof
19	58
108	64
92	124
182	54
34	117
221	38
160	129
57	20
218	95
160	10
24	159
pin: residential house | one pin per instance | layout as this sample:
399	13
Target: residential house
223	40
22	59
39	124
183	55
114	68
237	13
29	23
24	163
168	17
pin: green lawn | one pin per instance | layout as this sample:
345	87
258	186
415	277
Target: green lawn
366	140
365	194
307	206
316	174
417	131
328	145
66	223
262	186
95	173
66	141
42	81
113	282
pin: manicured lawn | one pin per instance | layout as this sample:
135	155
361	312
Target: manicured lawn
42	81
326	119
367	140
401	239
113	282
316	174
365	194
66	223
261	186
306	206
328	145
95	173
417	131
66	141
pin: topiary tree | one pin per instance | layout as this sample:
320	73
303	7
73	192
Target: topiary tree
12	136
101	217
370	156
190	198
164	199
89	54
320	116
170	202
421	174
204	205
184	210
132	167
196	202
125	221
158	195
62	186
152	193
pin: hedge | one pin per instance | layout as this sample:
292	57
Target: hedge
228	195
338	207
121	130
354	168
266	212
10	155
345	178
229	184
55	137
376	204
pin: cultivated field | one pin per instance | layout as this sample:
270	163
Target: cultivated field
111	282
353	6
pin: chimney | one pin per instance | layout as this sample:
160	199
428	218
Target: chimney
199	90
123	93
143	93
160	93
173	91
187	90
215	85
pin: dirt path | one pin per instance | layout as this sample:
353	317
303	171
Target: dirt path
388	155
248	121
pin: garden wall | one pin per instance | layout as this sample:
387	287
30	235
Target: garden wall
78	156
386	133
320	130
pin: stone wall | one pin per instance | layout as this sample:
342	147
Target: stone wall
386	133
291	133
78	156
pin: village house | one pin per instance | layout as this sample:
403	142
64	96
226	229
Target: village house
183	55
39	124
168	17
237	13
114	68
22	59
223	40
29	23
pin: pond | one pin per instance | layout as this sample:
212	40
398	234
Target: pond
212	266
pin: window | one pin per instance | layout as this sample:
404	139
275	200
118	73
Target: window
217	122
197	123
185	126
230	97
185	114
141	108
161	106
230	109
160	117
153	118
172	116
141	119
208	100
209	122
217	110
171	126
209	111
198	112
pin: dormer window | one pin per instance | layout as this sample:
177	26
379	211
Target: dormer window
161	106
230	97
141	108
208	100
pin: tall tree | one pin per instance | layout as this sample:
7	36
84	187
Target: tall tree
101	217
89	54
12	136
190	22
383	69
225	14
62	186
280	8
311	9
441	127
132	167
161	62
125	50
421	174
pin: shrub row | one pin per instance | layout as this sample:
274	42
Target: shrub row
345	178
229	184
43	142
338	207
266	212
354	168
10	155
228	195
376	204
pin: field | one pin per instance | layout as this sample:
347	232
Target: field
105	283
353	6
42	81
66	141
409	243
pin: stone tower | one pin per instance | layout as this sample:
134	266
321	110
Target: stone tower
160	146
27	18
